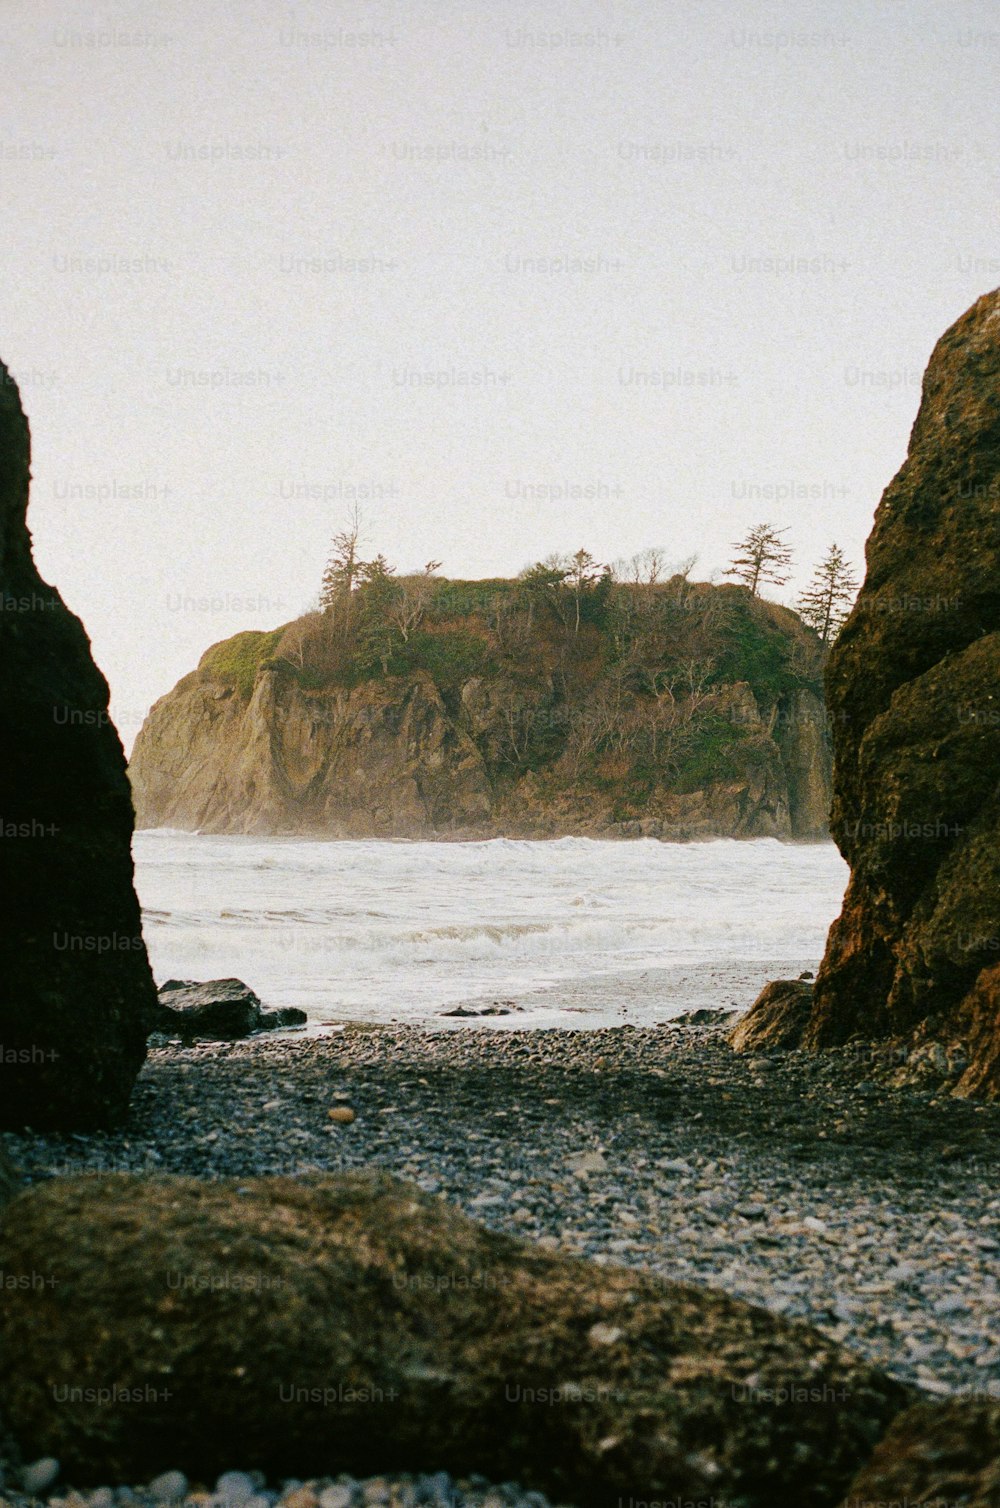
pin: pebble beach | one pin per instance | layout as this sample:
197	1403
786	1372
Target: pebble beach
800	1183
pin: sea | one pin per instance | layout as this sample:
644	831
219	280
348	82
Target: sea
573	932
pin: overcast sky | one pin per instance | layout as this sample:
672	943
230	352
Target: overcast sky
676	261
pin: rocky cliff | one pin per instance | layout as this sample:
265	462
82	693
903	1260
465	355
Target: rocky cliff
379	760
75	988
913	688
705	721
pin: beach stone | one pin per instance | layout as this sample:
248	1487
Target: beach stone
222	1008
341	1115
585	1163
77	992
329	1352
436	1488
301	1497
282	1016
704	1016
935	1453
235	1488
168	1487
376	1492
340	1495
40	1475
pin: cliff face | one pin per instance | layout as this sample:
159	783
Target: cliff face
913	690
380	760
76	992
798	726
540	741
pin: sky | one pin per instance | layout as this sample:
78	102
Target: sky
518	278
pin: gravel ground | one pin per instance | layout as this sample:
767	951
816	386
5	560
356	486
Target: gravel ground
237	1489
797	1182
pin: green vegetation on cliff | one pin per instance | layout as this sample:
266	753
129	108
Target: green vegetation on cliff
236	661
565	674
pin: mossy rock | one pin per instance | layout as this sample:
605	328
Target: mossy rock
351	1323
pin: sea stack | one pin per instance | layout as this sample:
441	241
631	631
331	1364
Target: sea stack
913	691
76	992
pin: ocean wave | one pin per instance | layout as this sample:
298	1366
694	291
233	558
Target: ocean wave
386	930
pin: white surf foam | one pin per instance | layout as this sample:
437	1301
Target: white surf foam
574	931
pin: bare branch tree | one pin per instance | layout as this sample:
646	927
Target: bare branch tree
763	556
409	602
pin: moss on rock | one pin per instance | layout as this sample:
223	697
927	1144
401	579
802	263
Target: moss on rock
351	1323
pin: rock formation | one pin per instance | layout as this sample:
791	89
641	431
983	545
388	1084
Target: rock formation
913	692
352	1323
936	1454
382	760
222	1009
778	1018
543	741
75	988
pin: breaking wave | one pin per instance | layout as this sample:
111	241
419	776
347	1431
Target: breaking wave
400	931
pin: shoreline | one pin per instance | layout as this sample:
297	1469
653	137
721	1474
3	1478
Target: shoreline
470	835
795	1181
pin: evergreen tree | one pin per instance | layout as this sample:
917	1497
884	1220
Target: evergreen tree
582	575
543	583
763	556
377	590
376	575
826	602
343	568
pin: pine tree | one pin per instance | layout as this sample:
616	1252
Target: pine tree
827	601
582	574
542	584
763	556
377	589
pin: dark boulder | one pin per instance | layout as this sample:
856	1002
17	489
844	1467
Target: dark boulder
704	1016
221	1008
935	1455
913	696
11	1182
321	1324
75	986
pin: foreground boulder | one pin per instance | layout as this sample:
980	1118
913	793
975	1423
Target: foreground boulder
351	1323
75	985
222	1009
913	693
935	1454
11	1182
